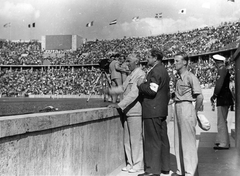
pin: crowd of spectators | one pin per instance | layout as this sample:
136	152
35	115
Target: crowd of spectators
20	53
80	80
53	81
193	42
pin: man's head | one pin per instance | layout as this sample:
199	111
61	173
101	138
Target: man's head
219	60
154	56
122	58
114	56
132	62
181	61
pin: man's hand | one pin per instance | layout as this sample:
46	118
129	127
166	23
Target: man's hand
172	95
213	98
113	106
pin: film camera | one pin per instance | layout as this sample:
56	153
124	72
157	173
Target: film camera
104	63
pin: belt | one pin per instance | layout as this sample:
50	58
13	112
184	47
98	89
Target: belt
183	101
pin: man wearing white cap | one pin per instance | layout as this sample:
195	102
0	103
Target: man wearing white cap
224	100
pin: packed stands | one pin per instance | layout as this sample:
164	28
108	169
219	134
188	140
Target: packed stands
79	80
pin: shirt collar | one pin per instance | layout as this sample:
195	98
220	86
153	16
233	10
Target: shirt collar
152	67
183	74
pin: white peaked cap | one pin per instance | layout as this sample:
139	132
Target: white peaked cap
219	57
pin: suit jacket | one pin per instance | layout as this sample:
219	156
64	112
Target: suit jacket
222	90
130	103
155	104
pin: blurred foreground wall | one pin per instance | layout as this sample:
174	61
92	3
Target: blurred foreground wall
78	142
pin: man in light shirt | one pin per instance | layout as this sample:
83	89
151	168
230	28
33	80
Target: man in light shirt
132	115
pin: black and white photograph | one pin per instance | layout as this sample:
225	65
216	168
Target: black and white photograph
119	88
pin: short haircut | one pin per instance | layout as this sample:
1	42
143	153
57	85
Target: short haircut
184	56
135	58
157	53
116	55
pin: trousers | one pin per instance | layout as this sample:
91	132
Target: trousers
222	136
156	146
185	139
133	142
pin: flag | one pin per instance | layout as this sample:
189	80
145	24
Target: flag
7	25
231	0
158	15
113	22
33	25
89	24
182	11
135	19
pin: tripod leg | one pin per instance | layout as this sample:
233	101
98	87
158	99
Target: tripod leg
108	80
97	80
107	86
104	87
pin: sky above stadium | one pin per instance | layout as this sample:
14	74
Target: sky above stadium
60	17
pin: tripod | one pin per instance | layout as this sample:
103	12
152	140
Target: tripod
101	76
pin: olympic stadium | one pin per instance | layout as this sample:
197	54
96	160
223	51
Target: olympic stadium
54	118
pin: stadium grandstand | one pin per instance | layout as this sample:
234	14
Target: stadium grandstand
66	65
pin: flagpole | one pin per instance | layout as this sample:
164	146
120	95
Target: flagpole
31	33
10	33
34	33
162	25
34	30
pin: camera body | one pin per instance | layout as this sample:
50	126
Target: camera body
104	65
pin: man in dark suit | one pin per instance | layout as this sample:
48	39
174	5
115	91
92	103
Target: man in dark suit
224	98
155	94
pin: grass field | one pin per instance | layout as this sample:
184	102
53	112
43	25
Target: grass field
17	106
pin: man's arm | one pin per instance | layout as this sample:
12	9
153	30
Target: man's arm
115	90
120	69
150	87
131	96
199	102
197	93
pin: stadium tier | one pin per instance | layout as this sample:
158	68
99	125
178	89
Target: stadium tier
27	69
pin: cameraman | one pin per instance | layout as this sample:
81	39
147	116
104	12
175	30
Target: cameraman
115	72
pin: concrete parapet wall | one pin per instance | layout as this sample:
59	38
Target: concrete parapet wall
65	96
78	142
206	92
